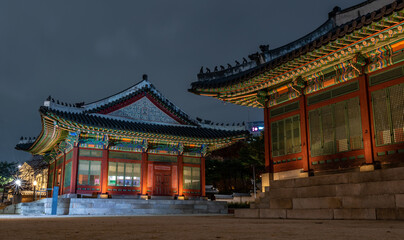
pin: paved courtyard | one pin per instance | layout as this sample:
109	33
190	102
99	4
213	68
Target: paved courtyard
192	227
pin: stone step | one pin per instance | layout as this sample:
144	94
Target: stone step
332	190
323	214
162	197
246	213
336	202
262	205
357	195
88	206
301	192
391	174
11	209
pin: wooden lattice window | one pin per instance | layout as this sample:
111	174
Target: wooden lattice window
124	174
285	136
89	173
90	153
68	175
192	178
125	155
69	155
388	115
335	128
191	160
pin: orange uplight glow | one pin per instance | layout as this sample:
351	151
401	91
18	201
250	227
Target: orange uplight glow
397	46
282	89
329	82
126	139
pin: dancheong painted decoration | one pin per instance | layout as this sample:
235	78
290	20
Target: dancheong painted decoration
135	142
333	100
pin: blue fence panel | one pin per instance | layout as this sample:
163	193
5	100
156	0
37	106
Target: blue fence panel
55	200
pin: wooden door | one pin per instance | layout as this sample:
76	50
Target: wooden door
162	183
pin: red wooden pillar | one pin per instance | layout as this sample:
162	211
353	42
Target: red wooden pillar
365	117
47	183
304	126
75	163
269	167
203	181
180	174
144	173
62	177
104	171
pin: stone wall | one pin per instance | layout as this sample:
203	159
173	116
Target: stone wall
96	206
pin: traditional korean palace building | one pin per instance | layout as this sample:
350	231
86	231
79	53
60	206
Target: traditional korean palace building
135	142
333	100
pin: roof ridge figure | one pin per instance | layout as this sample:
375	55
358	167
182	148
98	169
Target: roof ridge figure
336	19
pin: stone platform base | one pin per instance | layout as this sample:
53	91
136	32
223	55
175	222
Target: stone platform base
367	195
323	214
96	206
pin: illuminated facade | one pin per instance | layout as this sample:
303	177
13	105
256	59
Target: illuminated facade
333	100
135	142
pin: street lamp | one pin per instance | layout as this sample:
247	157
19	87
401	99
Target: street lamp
18	185
35	183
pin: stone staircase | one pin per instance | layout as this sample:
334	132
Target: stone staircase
377	194
96	206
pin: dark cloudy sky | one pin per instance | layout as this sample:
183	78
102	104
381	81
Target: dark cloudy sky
86	50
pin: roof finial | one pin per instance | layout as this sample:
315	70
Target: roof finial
145	77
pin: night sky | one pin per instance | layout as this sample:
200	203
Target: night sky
87	50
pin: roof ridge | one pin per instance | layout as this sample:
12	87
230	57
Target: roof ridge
145	81
143	86
95	120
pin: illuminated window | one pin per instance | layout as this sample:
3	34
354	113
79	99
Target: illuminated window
192	178
89	173
124	174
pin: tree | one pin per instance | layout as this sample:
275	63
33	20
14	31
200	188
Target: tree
253	155
7	170
231	169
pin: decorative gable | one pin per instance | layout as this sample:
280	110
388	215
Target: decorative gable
140	102
144	110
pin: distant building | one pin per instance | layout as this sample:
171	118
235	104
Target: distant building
33	175
135	142
35	170
256	127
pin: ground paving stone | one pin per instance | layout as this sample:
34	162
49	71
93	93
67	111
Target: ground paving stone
197	227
